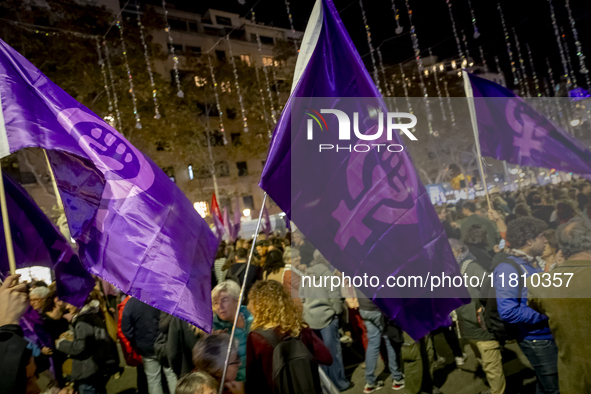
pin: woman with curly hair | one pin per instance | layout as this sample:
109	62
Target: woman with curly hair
275	317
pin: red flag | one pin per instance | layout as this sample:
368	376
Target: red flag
215	208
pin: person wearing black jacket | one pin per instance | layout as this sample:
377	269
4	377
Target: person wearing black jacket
14	355
181	337
139	324
237	273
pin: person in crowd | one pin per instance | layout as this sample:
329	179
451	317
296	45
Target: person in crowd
139	324
568	307
552	255
220	260
469	210
277	244
565	210
452	230
526	237
540	209
37	297
16	364
55	325
197	383
275	316
209	356
481	340
476	240
522	209
225	304
572	194
262	248
175	343
418	360
583	198
237	272
130	353
322	307
93	353
375	324
304	246
274	268
291	279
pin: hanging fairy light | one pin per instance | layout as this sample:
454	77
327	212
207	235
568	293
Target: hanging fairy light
582	66
514	74
376	76
138	124
104	73
521	63
408	103
399	28
419	61
533	70
274	76
383	69
115	99
557	35
453	25
451	110
465	41
482	58
217	99
237	85
258	36
569	63
175	59
291	24
264	106
555	93
476	32
148	65
438	89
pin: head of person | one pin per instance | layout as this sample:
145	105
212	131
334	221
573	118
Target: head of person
274	261
537	200
468	208
441	212
522	209
292	256
37	297
298	238
271	308
572	193
566	209
221	253
277	244
454	170
225	299
585	188
198	382
241	255
527	234
262	236
574	237
262	247
209	356
240	243
476	235
54	305
459	249
552	245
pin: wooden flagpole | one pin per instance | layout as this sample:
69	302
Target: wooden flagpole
6	224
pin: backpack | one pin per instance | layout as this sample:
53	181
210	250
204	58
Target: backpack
236	275
294	371
105	354
493	322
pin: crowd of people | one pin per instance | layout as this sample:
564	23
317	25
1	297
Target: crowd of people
289	338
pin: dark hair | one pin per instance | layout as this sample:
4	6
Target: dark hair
536	199
40	283
221	251
476	235
522	209
565	210
50	302
277	243
241	253
523	229
273	262
469	205
550	235
574	237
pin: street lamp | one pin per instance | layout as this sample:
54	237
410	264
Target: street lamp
575	122
246	212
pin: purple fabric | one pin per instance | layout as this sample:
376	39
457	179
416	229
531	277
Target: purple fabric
236	223
366	213
37	242
134	227
228	224
267	228
511	130
219	227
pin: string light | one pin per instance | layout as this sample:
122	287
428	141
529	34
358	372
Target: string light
399	28
571	69
583	67
237	84
138	124
499	69
274	76
406	92
465	41
521	63
451	110
453	25
175	59
438	90
383	71
291	25
258	36
263	101
419	61
482	58
115	99
148	65
104	72
373	60
533	70
558	102
476	32
217	100
514	74
557	35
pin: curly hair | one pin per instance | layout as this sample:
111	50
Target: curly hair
476	235
271	308
522	229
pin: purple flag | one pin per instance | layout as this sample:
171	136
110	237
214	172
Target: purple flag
133	225
367	213
267	228
219	227
236	224
228	224
511	130
37	242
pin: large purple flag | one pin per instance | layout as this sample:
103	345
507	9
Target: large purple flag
368	212
37	242
134	227
511	130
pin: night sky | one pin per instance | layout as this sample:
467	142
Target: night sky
530	18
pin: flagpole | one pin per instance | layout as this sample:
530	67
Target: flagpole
58	197
241	296
470	97
6	224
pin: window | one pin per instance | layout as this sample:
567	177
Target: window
222	169
267	40
178	48
242	168
199	81
215	138
201	207
177	24
190	169
196	51
193	27
162	146
169	171
248	202
221	55
231	113
267	61
212	31
236	139
222	20
245	59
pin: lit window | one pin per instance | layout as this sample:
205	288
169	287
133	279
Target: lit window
267	61
201	207
245	59
190	168
200	82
